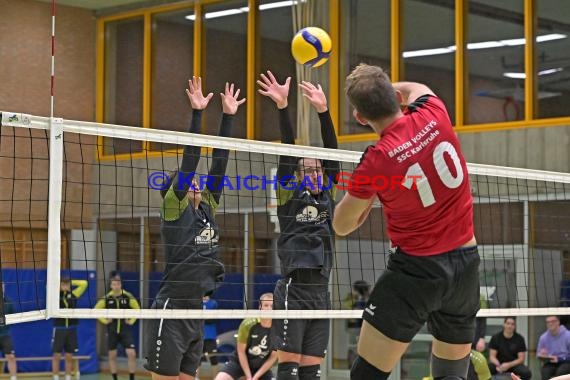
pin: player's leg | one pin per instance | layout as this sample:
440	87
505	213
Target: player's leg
131	361
398	307
113	363
112	343
163	350
56	346
287	334
231	371
70	347
316	334
315	342
7	347
127	340
192	357
12	366
453	325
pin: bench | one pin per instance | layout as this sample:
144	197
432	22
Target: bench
75	358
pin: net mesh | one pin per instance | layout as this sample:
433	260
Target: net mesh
110	218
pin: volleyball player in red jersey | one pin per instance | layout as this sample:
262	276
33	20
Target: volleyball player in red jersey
419	174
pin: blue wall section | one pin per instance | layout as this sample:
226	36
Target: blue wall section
34	338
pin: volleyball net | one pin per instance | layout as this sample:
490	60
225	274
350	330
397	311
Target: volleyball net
82	200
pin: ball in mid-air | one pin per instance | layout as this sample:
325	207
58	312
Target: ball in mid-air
311	46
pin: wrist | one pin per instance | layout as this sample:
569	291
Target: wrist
283	104
322	109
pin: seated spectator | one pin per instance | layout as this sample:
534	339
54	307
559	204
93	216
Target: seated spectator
507	351
554	349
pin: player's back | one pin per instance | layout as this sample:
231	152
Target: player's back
432	212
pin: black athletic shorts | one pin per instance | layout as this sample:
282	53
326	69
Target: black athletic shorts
125	338
64	339
442	290
6	345
233	369
211	347
301	336
173	346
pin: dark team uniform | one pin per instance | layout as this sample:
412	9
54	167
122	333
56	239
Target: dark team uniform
258	349
305	248
507	351
193	269
429	217
6	344
118	331
64	337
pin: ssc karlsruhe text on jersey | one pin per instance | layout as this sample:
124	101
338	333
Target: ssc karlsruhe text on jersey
431	212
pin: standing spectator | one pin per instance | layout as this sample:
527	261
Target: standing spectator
210	349
6	345
64	337
507	351
554	349
119	331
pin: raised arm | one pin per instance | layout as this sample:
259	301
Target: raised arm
80	286
191	155
316	96
279	94
230	105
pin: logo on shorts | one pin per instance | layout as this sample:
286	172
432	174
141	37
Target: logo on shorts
370	309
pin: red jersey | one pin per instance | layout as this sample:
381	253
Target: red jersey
420	176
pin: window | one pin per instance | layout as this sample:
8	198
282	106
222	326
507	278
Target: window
428	48
365	31
224	60
123	81
553	63
172	55
495	37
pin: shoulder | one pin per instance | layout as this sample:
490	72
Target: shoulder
128	294
425	102
371	154
248	323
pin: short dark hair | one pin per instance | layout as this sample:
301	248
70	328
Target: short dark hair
65	280
513	318
371	93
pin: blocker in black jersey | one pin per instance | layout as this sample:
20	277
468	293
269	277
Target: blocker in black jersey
305	207
190	236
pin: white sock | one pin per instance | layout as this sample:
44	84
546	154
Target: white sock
55	377
67	377
13	378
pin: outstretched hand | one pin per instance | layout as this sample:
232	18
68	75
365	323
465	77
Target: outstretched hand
230	102
195	95
272	89
315	95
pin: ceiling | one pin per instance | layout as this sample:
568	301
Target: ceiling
101	4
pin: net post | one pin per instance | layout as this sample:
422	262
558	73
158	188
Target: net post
54	212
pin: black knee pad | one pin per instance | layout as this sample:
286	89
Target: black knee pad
443	369
362	370
288	371
310	372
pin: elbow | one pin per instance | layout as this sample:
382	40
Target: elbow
341	229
